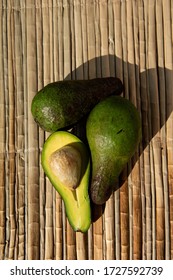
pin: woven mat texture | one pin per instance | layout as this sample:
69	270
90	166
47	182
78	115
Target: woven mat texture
43	41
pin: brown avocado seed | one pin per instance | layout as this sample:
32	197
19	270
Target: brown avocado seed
66	165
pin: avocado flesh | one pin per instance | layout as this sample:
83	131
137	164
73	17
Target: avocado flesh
113	132
76	201
62	104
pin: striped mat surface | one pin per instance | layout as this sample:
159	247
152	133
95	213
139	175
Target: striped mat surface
43	41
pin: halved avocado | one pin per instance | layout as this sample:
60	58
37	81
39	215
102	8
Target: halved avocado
65	160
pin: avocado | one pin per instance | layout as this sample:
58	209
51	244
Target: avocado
61	104
66	162
113	131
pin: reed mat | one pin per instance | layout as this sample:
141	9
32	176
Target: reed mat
42	41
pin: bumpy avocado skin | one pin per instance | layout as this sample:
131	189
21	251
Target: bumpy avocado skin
63	103
113	132
77	202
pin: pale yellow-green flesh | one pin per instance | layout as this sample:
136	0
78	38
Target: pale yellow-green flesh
76	201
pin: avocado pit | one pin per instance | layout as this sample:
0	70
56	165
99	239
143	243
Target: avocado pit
66	164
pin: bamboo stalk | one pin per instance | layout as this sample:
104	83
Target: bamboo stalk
97	233
170	179
117	224
58	229
90	243
118	37
137	214
147	230
84	39
146	189
5	89
133	70
90	16
42	213
11	139
60	62
124	216
18	73
49	234
109	229
168	62
162	97
71	243
2	141
66	47
76	21
147	179
82	246
33	219
155	115
164	16
103	18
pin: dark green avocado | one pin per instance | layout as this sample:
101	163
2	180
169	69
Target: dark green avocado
113	132
65	160
62	104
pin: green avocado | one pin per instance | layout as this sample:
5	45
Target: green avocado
113	131
65	160
62	104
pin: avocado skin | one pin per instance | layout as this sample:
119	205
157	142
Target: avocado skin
113	131
63	103
76	202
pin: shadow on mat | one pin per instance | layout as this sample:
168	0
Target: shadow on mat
150	91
